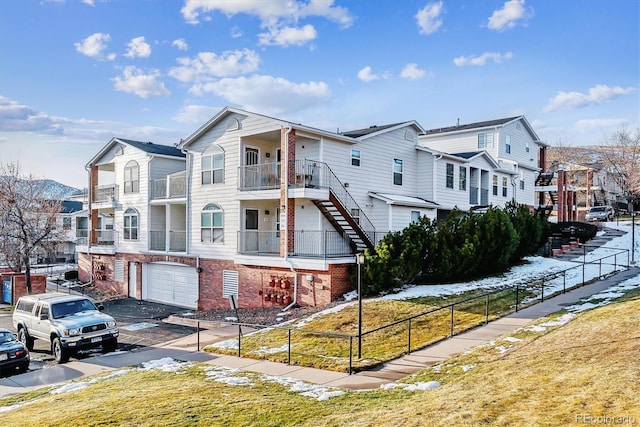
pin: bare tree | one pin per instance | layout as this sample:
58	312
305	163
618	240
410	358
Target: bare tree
27	219
620	154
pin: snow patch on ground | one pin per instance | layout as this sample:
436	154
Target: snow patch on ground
421	386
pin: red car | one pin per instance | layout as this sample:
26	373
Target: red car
13	354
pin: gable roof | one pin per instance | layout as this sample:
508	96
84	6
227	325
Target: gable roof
371	129
397	199
151	148
147	147
485	125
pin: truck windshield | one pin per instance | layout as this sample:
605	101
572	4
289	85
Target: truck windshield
68	308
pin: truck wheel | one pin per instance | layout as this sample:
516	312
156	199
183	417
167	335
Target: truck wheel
109	346
25	339
60	353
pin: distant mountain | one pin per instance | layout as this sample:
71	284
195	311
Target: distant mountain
54	190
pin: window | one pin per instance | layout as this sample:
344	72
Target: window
82	226
130	228
495	185
66	223
449	175
507	145
397	172
526	147
415	216
212	168
462	179
211	224
485	140
355	157
131	177
504	187
521	180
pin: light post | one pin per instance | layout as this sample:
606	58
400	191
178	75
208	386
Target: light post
359	261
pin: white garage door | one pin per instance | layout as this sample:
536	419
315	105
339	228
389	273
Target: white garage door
171	284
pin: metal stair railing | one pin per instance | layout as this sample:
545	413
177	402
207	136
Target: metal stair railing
316	174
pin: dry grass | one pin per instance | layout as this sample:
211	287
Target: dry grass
588	366
331	352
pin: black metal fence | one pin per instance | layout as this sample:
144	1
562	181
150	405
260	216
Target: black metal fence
458	316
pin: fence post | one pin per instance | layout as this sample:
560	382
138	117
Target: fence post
451	319
350	354
542	291
584	261
289	349
564	281
486	309
517	288
615	262
409	338
198	329
239	335
600	268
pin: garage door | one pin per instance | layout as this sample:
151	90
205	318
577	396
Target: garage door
172	284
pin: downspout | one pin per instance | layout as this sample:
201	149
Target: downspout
435	178
286	234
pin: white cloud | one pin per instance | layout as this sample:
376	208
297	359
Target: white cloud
236	33
136	81
508	17
138	48
208	65
271	95
181	44
597	95
589	125
268	11
194	113
411	71
366	75
21	118
496	57
94	46
287	36
428	18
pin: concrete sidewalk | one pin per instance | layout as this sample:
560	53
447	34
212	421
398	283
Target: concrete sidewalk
187	349
408	364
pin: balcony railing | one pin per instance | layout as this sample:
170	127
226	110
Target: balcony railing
173	186
105	193
103	237
306	244
177	241
259	177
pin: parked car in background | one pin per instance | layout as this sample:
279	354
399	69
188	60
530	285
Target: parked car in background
600	213
13	354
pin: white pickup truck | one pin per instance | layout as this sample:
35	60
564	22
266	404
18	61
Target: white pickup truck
68	322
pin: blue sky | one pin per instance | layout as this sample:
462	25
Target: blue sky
74	74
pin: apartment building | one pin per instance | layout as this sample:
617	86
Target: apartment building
270	212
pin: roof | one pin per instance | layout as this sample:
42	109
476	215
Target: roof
151	148
488	123
371	129
397	199
70	206
467	155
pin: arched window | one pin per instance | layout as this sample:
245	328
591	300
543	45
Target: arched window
130	229
131	177
212	224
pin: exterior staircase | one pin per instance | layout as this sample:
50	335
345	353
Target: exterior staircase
340	209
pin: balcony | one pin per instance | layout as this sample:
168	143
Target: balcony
259	177
105	193
103	237
171	187
177	241
306	244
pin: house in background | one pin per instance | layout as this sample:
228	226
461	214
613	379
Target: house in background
513	158
273	212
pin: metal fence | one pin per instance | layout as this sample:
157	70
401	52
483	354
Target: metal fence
462	315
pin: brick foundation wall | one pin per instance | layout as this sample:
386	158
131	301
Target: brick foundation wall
38	284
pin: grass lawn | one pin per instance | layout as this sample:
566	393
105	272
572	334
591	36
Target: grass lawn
549	376
330	352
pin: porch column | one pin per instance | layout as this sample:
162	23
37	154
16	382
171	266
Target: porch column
287	212
93	214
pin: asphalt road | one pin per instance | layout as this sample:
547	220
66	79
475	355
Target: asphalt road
140	325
